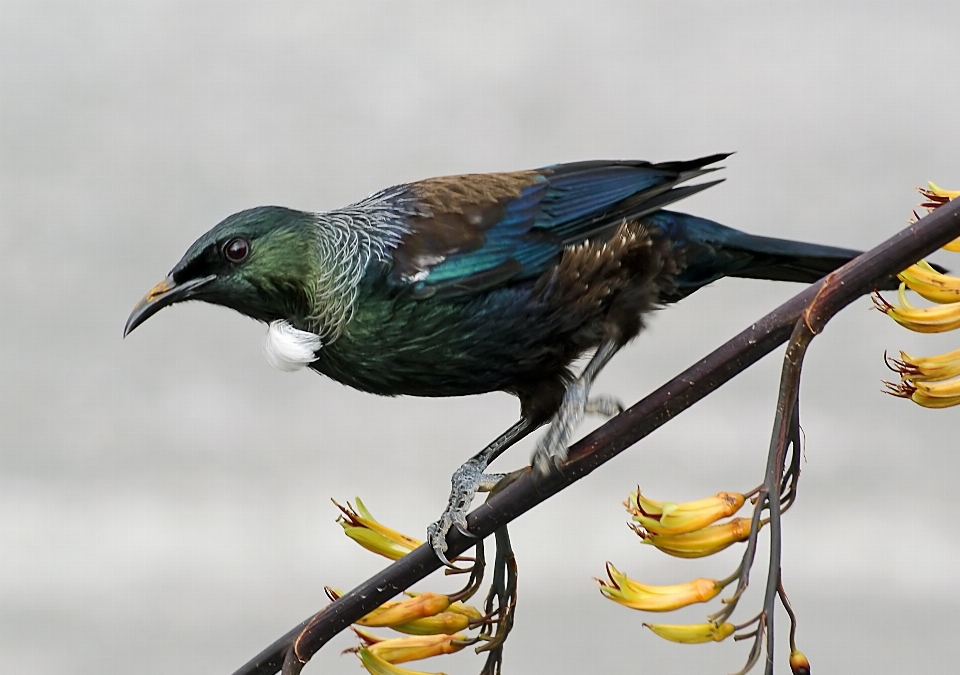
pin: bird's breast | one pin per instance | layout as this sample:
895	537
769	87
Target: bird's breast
401	346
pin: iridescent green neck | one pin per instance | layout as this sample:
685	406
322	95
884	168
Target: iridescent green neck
348	241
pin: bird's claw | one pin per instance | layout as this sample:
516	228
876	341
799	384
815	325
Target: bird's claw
464	485
437	536
464	531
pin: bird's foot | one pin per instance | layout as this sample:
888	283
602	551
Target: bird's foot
551	450
464	485
604	405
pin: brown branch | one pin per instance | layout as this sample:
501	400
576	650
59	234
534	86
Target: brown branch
843	287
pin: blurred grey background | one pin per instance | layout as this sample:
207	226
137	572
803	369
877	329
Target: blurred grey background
165	499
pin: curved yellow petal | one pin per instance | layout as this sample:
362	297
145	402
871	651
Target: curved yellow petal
931	284
690	634
940	192
942	394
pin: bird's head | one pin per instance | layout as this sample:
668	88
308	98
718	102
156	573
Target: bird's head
262	262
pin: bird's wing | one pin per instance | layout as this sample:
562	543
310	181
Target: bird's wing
475	232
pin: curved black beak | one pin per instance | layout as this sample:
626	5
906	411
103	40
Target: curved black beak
165	293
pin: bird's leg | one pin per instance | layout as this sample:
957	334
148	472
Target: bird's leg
467	481
551	449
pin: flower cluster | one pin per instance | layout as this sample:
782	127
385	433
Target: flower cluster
685	530
688	530
929	381
434	622
693	530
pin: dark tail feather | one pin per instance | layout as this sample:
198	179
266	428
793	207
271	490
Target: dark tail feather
785	260
708	251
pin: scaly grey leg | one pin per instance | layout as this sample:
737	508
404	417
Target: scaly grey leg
551	450
466	482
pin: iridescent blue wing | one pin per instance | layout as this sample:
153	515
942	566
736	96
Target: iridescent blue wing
474	232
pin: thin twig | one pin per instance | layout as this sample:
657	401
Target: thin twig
785	601
502	600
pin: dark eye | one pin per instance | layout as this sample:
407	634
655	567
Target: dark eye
236	250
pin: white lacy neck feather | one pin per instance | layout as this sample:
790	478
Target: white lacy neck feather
288	348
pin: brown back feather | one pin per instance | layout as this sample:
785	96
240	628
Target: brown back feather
456	213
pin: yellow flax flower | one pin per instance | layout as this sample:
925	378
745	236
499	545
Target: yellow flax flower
937	196
935	319
363	528
691	634
620	588
944	394
930	284
401	650
433	620
929	381
699	544
927	368
672	518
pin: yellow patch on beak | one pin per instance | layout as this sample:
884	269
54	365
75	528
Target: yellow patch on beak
156	291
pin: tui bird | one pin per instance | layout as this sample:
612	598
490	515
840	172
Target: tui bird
487	282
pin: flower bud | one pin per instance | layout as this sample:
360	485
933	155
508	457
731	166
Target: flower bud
444	623
798	663
401	612
468	611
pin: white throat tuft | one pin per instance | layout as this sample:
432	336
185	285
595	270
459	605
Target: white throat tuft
288	348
